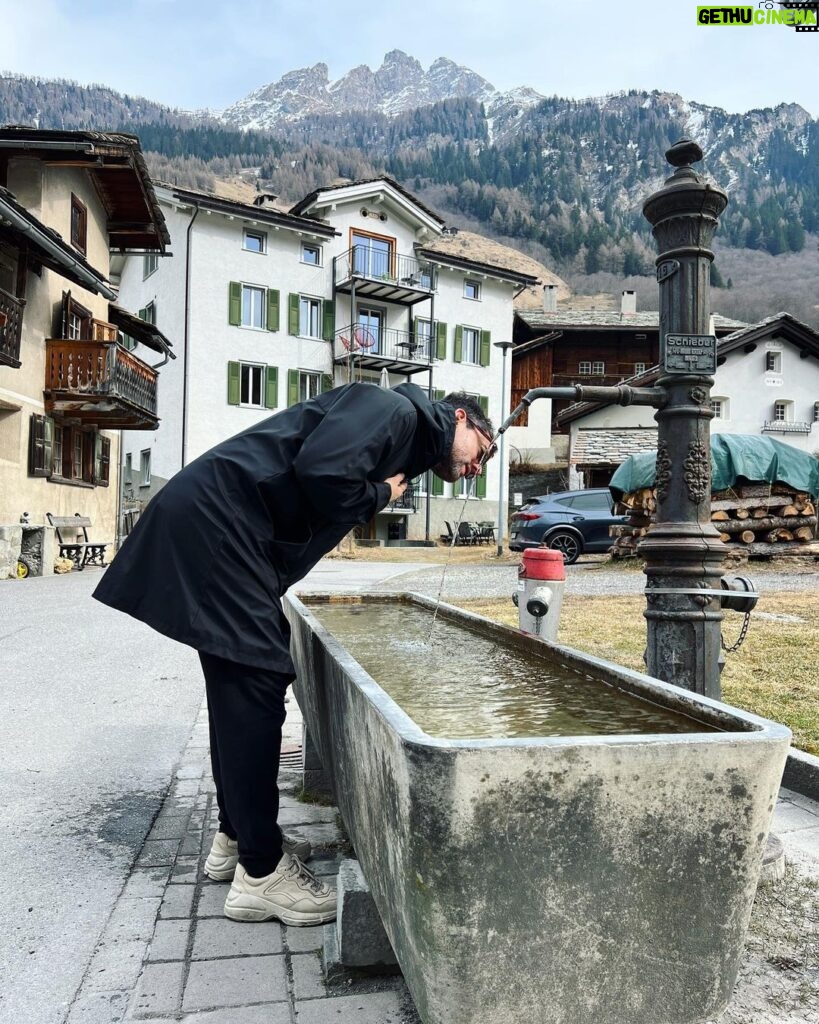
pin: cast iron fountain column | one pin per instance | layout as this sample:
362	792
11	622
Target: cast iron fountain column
682	550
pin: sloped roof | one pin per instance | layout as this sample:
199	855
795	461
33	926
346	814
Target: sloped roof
309	200
19	226
135	220
611	447
800	334
249	211
463	262
541	320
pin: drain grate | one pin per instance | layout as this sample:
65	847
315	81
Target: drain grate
291	756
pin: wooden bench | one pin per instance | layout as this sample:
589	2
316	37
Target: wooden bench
81	552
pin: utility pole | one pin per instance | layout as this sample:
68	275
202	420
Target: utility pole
504	346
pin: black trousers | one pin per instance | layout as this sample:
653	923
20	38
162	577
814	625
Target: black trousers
246	713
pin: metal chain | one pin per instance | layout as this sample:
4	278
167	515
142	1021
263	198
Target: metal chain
740	639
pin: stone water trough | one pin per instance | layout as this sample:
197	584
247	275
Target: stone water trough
544	866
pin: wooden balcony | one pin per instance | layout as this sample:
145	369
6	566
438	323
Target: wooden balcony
11	328
100	382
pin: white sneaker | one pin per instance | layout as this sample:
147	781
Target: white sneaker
224	854
291	894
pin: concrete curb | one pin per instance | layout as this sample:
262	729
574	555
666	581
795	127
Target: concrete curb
802	774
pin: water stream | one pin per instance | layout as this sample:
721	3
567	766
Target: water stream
460	684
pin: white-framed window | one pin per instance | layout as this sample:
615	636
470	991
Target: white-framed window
598	369
639	368
150	262
783	412
423	336
719	407
254	241
145	468
472	289
311	254
253	306
584	368
471	351
309	317
251	385
773	362
309	385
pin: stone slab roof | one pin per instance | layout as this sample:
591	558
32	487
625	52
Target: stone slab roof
605	318
611	447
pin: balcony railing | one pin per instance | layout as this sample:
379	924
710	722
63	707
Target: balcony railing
408	502
100	381
11	328
379	348
786	427
384	274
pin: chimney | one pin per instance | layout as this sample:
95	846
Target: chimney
550	298
265	199
628	302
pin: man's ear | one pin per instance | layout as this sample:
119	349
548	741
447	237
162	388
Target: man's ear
460	415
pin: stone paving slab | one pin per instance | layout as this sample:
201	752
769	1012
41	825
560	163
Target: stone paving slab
213	984
370	1008
217	937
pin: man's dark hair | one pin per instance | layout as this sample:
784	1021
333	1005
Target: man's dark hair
472	407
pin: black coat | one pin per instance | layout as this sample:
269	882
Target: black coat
209	560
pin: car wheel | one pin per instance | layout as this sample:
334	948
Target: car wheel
567	544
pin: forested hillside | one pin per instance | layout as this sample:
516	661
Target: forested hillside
563	180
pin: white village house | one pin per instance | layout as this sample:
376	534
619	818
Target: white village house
767	383
270	306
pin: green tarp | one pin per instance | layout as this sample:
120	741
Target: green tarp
732	456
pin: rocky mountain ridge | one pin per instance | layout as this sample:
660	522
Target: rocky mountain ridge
398	85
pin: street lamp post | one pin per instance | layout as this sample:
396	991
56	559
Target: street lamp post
504	346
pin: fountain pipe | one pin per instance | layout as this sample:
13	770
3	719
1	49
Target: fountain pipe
620	394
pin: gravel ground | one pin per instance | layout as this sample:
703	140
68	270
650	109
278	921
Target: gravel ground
587	578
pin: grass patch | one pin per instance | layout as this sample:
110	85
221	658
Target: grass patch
307	796
773	674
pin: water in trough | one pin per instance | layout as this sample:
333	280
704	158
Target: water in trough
460	684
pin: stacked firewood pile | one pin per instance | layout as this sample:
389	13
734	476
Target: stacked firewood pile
763	519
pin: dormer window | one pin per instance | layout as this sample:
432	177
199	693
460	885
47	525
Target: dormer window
79	224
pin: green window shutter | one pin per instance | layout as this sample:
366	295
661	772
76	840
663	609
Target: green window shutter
97	458
437	486
327	382
272	310
480	486
440	340
234	303
486	341
142	312
459	344
483	402
438	394
328	320
292	386
271	387
293	314
234	384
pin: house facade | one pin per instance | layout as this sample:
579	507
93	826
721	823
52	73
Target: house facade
562	346
766	383
272	306
67	384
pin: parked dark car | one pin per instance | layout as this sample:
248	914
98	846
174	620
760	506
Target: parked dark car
572	522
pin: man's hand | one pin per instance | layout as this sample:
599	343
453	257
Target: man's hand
398	484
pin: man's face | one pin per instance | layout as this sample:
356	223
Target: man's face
469	447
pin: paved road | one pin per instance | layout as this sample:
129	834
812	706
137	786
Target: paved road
96	711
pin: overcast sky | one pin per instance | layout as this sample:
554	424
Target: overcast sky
201	53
